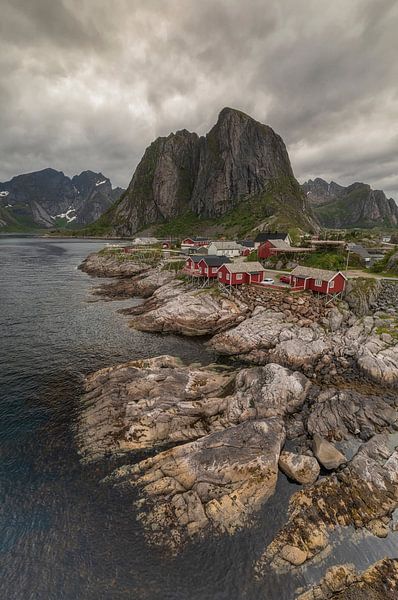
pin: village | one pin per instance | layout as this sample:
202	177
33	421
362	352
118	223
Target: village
271	259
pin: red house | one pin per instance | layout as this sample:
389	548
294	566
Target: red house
318	280
204	266
277	247
239	273
194	242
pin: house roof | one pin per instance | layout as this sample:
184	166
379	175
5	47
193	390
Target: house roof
196	239
245	267
215	261
280	244
246	243
210	259
313	273
227	245
264	236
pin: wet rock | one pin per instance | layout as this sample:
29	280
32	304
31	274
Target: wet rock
300	468
343	582
216	482
326	453
364	490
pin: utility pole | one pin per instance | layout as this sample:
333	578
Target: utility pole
346	266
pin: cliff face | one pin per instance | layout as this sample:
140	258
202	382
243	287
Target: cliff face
238	160
49	198
354	206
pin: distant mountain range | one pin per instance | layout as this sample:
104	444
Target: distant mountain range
50	199
357	205
237	176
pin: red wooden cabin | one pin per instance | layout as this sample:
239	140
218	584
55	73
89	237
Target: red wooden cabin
318	280
205	266
195	242
239	273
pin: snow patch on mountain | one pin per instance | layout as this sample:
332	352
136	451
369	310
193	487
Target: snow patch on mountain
67	215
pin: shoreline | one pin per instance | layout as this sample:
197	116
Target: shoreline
352	410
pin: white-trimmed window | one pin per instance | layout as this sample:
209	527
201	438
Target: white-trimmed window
331	284
238	277
318	282
227	276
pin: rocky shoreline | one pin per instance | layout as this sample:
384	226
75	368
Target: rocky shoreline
301	378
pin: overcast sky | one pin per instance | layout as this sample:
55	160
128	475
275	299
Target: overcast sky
88	84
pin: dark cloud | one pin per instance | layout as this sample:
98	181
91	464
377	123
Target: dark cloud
89	83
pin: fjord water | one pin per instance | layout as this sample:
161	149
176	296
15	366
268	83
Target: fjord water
64	535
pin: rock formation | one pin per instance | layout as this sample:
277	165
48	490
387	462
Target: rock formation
239	160
107	265
172	309
354	206
217	482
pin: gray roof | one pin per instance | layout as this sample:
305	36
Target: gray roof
313	273
245	267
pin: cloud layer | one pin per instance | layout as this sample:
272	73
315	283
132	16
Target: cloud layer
88	84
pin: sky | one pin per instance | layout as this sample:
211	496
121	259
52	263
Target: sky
88	84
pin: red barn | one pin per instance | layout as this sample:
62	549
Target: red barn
242	272
318	280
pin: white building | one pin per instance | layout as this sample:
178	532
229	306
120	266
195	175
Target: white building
224	249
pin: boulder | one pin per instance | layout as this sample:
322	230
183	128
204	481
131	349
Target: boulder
300	468
326	453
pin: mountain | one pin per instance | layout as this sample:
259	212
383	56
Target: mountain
354	206
48	198
238	173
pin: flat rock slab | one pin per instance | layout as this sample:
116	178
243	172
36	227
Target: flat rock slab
216	482
365	490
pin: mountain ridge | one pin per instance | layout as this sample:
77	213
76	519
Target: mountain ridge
356	205
48	198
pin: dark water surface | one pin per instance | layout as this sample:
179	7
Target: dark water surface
64	536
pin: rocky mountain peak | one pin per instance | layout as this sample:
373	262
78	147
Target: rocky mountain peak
208	176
